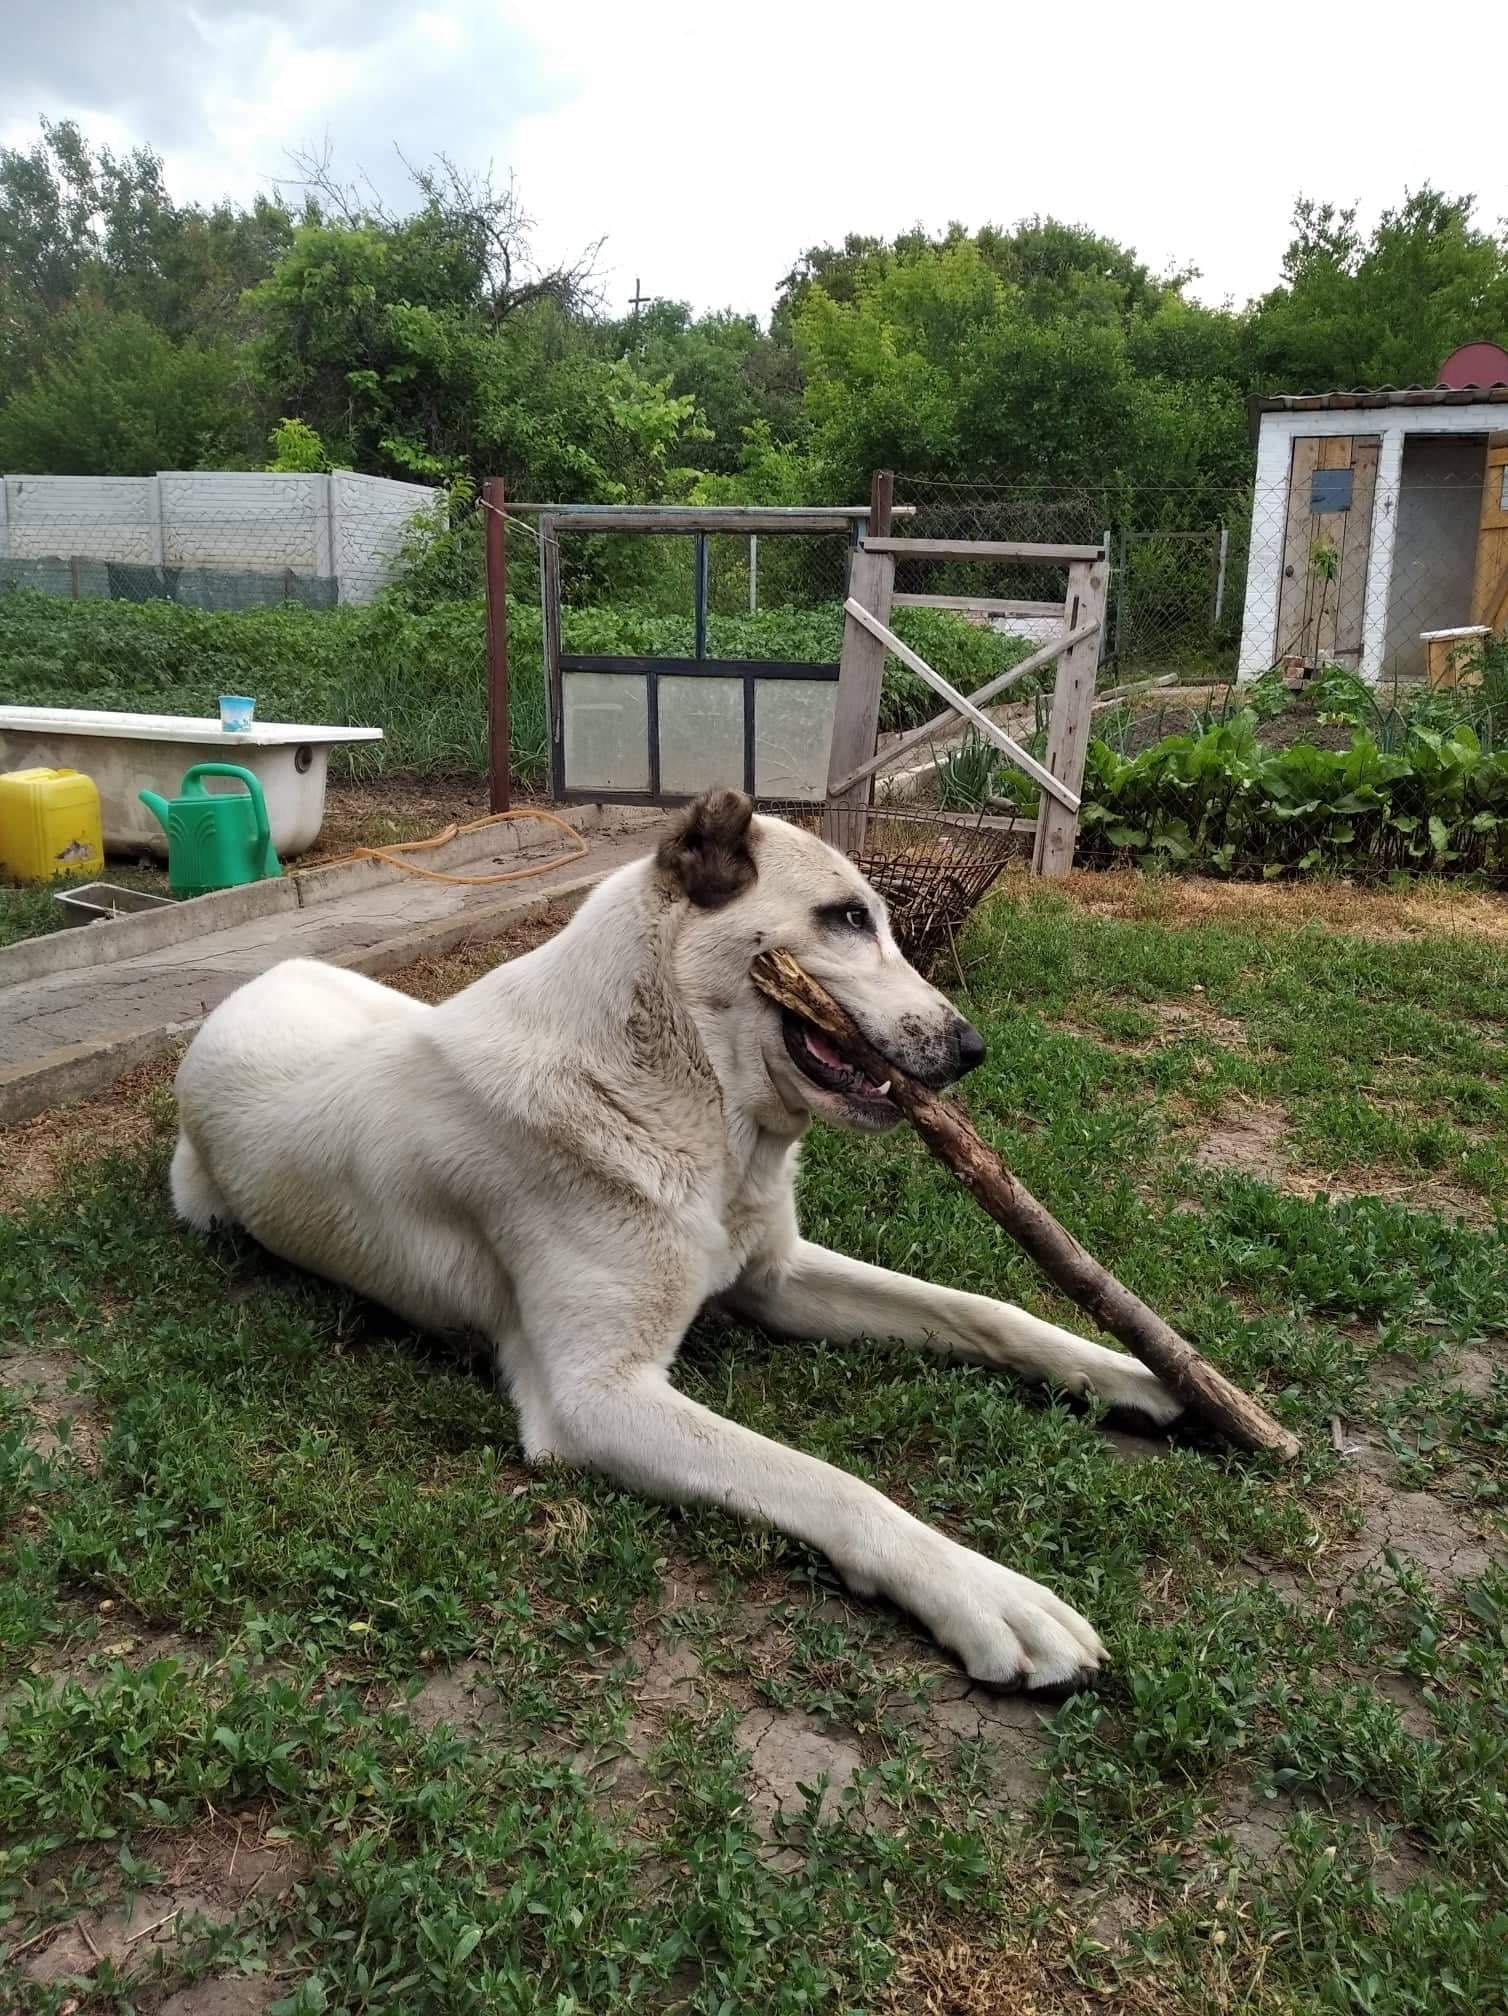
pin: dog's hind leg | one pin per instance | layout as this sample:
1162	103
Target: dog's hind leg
812	1292
195	1198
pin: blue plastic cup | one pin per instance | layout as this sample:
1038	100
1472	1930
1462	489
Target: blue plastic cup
236	712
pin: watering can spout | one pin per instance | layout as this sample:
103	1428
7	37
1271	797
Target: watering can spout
157	805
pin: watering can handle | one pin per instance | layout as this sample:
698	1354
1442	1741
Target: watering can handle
253	790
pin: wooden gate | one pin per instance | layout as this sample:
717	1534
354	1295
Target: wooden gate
868	640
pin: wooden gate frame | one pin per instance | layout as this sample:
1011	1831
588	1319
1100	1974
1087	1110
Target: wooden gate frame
868	640
699	522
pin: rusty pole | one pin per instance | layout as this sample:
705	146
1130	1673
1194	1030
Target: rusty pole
495	534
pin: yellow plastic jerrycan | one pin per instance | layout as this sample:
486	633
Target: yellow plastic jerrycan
49	825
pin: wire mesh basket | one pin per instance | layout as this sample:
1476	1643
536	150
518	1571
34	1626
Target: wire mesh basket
932	870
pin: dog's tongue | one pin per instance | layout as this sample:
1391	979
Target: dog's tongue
822	1050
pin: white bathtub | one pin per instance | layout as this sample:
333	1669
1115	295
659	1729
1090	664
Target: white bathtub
127	753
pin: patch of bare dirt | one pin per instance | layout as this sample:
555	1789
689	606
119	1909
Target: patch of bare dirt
1250	1139
464	1696
1256	1827
1179	1019
226	1995
36	1154
447	973
210	1876
1422	911
66	1414
1442	1541
788	1751
1011	1727
397	806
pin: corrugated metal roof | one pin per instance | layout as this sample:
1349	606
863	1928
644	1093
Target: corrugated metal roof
1383	395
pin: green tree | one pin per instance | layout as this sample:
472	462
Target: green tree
738	376
119	398
1385	309
82	226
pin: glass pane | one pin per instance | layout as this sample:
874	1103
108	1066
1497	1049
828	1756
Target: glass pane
793	730
606	731
701	734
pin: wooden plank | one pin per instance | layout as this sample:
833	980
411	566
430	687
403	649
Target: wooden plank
495	543
549	605
856	710
881	502
679	518
980	549
702	668
1053	648
1489	591
963	706
1072	714
1327	528
982	605
1293	600
1356	549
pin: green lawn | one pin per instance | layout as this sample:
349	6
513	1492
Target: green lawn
518	1743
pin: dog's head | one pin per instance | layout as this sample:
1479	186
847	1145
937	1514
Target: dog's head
752	884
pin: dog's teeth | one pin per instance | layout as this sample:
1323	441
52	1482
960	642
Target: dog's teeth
883	1089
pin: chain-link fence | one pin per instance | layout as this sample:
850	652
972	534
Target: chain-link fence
209	540
1325	566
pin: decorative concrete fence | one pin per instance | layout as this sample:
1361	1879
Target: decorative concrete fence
64	533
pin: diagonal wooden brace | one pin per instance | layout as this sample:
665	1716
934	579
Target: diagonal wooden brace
1069	800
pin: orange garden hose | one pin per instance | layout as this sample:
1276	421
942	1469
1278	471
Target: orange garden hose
453	832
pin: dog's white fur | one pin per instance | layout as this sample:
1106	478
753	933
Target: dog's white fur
579	1151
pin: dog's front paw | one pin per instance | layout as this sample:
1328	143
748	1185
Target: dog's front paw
1130	1388
1008	1631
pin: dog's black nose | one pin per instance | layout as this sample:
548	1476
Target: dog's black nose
970	1048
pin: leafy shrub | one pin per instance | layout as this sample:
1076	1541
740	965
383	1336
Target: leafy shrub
1221	802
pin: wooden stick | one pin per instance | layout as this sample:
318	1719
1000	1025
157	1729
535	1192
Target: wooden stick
1207	1394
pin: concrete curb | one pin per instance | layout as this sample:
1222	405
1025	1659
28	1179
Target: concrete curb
103	944
87	1068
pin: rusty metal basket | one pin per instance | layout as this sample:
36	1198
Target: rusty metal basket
932	870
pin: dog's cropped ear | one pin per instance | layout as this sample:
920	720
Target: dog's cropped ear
706	854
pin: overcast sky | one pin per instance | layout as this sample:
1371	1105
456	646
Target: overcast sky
710	143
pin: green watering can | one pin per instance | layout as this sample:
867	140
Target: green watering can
215	840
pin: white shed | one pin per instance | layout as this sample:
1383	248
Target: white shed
1377	517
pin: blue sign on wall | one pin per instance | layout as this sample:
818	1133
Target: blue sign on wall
1329	490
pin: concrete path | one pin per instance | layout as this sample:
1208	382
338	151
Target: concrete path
66	1033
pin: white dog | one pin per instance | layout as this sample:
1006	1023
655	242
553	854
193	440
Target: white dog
579	1151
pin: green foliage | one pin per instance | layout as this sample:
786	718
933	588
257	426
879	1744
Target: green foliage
117	397
1384	309
296	449
1220	801
941	361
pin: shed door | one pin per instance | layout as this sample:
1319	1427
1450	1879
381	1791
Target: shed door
1489	595
1332	487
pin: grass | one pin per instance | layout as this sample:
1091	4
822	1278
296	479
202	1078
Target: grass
248	1585
30	909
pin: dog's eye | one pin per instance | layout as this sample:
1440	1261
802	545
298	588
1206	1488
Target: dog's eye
845	917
